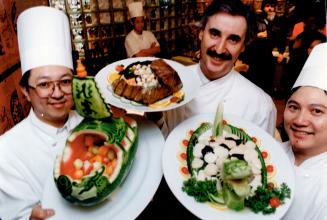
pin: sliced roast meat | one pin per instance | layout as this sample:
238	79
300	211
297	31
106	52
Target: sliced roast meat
166	74
169	82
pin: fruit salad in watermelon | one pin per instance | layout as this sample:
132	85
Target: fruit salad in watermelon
98	153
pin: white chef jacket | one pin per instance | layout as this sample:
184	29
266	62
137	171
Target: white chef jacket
27	154
240	96
310	201
135	42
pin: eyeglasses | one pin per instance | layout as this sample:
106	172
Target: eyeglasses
45	89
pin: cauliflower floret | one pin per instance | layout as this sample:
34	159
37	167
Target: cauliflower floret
220	152
250	144
211	169
197	151
201	176
204	140
238	150
197	163
230	143
251	156
218	141
210	157
255	183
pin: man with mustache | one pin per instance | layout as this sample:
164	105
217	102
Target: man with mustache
226	26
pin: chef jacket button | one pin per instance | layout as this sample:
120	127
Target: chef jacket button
306	175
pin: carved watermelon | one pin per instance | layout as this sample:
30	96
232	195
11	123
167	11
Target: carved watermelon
88	100
96	159
98	153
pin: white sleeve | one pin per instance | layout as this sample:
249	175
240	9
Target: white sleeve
16	197
271	118
130	46
153	38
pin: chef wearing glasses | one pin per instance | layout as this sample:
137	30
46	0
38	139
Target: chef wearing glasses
28	150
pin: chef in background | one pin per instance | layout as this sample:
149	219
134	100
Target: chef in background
28	150
139	42
305	122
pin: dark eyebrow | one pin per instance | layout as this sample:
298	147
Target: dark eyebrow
235	37
214	31
311	105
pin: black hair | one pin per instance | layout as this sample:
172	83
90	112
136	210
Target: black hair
312	36
270	2
134	18
289	94
24	80
235	8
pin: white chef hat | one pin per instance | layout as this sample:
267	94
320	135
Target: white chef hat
44	38
135	9
314	71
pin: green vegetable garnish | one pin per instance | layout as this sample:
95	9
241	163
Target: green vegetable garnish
260	201
236	169
200	190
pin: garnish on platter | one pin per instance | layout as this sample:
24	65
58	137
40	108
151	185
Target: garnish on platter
227	168
99	152
152	83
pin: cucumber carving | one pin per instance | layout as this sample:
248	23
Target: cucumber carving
98	153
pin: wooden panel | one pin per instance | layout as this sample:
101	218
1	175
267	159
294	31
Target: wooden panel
8	41
13	105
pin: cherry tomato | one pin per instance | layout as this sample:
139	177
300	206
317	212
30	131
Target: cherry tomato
254	139
264	154
274	202
183	156
174	99
119	68
184	170
185	142
270	168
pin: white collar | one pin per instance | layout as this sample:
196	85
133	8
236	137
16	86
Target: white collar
138	35
318	161
50	131
205	80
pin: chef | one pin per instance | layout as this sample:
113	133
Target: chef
28	150
305	122
225	29
139	42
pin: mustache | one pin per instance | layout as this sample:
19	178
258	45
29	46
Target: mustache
222	56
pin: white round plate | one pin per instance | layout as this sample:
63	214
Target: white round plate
132	197
190	80
174	178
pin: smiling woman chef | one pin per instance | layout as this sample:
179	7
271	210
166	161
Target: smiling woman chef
305	121
29	149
